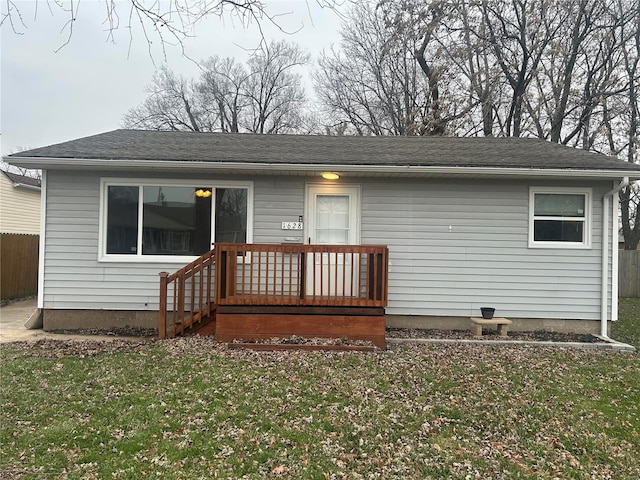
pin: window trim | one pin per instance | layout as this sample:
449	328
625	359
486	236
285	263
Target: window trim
138	257
587	192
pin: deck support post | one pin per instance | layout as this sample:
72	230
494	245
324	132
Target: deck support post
162	313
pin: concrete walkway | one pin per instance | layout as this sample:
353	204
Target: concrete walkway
605	344
12	326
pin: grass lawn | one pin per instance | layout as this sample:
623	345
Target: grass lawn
627	328
188	408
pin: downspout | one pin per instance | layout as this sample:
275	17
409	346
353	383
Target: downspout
43	235
605	257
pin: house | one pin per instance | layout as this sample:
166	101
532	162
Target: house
522	225
19	204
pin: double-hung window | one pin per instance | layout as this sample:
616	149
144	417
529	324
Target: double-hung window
559	217
163	220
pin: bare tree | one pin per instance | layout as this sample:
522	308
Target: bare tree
265	96
172	105
478	67
160	23
373	85
221	87
519	36
630	196
274	89
423	24
434	35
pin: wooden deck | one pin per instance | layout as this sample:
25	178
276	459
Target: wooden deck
264	291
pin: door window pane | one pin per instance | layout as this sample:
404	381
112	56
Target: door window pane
332	237
122	220
332	219
231	215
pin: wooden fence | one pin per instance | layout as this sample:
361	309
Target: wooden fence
18	265
629	273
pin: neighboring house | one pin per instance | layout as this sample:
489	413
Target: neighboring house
522	225
19	204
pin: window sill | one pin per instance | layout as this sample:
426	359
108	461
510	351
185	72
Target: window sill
180	260
560	245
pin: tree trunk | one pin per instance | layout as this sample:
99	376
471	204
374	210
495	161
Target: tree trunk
631	216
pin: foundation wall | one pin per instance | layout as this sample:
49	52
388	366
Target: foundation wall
519	324
98	319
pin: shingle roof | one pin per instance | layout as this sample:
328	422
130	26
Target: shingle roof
22	179
525	153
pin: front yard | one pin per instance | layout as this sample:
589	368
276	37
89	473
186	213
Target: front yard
188	408
627	329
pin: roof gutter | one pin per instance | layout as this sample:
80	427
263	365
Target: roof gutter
605	257
284	168
24	185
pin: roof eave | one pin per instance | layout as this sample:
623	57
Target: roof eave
18	184
289	168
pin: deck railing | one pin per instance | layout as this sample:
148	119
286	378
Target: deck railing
186	296
301	275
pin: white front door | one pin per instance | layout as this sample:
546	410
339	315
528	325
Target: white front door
332	218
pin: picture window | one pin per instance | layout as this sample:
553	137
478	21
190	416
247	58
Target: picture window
167	220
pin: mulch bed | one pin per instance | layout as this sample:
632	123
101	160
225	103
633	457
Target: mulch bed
117	332
296	342
265	347
407	333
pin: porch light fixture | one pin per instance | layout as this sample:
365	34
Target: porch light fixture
202	193
330	176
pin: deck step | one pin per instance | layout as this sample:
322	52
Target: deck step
196	317
206	329
200	323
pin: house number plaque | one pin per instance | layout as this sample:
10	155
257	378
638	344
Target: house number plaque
292	226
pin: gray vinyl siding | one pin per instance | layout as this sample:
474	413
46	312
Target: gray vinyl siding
456	246
277	200
484	260
75	279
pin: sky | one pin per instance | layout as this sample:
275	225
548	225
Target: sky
86	86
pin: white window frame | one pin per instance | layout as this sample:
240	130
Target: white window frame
138	257
586	218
